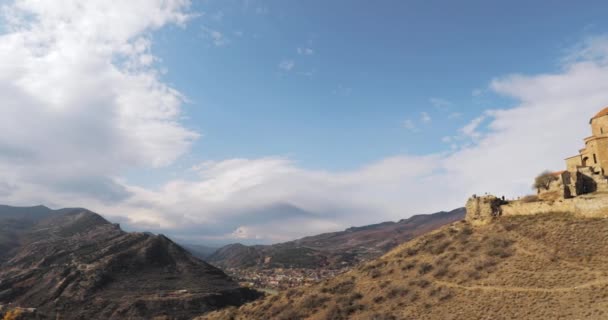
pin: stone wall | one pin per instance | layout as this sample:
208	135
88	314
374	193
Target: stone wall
481	210
584	206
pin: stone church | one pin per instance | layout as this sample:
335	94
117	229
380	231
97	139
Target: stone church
587	171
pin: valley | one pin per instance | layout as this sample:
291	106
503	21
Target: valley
311	259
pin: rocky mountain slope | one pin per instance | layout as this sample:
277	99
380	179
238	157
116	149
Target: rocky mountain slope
199	251
73	264
333	250
548	266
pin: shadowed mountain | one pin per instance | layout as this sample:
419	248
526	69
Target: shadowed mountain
545	266
333	250
73	264
199	251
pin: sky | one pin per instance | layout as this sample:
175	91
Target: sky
252	121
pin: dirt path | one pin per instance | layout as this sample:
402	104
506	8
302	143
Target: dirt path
524	289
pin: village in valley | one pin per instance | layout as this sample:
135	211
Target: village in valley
278	279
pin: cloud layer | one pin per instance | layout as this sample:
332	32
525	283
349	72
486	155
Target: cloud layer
500	151
83	102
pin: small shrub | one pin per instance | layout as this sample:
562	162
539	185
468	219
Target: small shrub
441	272
530	198
295	293
384	284
446	296
289	314
411	251
397	292
414	297
383	316
499	252
341	288
440	248
356	296
425	268
423	283
375	274
314	301
409	266
474	275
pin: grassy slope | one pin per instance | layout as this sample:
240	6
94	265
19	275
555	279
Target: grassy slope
530	267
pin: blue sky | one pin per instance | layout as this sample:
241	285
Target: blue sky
207	120
374	66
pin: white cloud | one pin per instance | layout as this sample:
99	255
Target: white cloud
593	48
217	38
287	65
305	51
454	115
440	103
308	74
471	129
81	98
218	16
410	125
425	117
343	91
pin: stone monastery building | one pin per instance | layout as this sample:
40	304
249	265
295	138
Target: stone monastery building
587	171
586	174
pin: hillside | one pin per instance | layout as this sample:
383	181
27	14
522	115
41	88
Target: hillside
333	250
546	266
199	251
74	264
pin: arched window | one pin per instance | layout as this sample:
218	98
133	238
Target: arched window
594	159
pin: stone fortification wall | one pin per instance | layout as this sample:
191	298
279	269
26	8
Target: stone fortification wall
481	210
592	206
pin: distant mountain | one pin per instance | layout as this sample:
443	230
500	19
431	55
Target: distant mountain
200	251
546	266
73	264
333	250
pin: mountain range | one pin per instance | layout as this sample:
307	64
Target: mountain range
73	264
332	250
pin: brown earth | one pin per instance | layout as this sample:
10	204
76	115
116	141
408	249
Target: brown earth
550	266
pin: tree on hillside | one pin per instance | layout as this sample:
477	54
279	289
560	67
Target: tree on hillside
543	180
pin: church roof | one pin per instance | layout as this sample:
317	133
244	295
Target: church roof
602	113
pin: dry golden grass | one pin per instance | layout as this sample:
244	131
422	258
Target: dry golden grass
552	266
